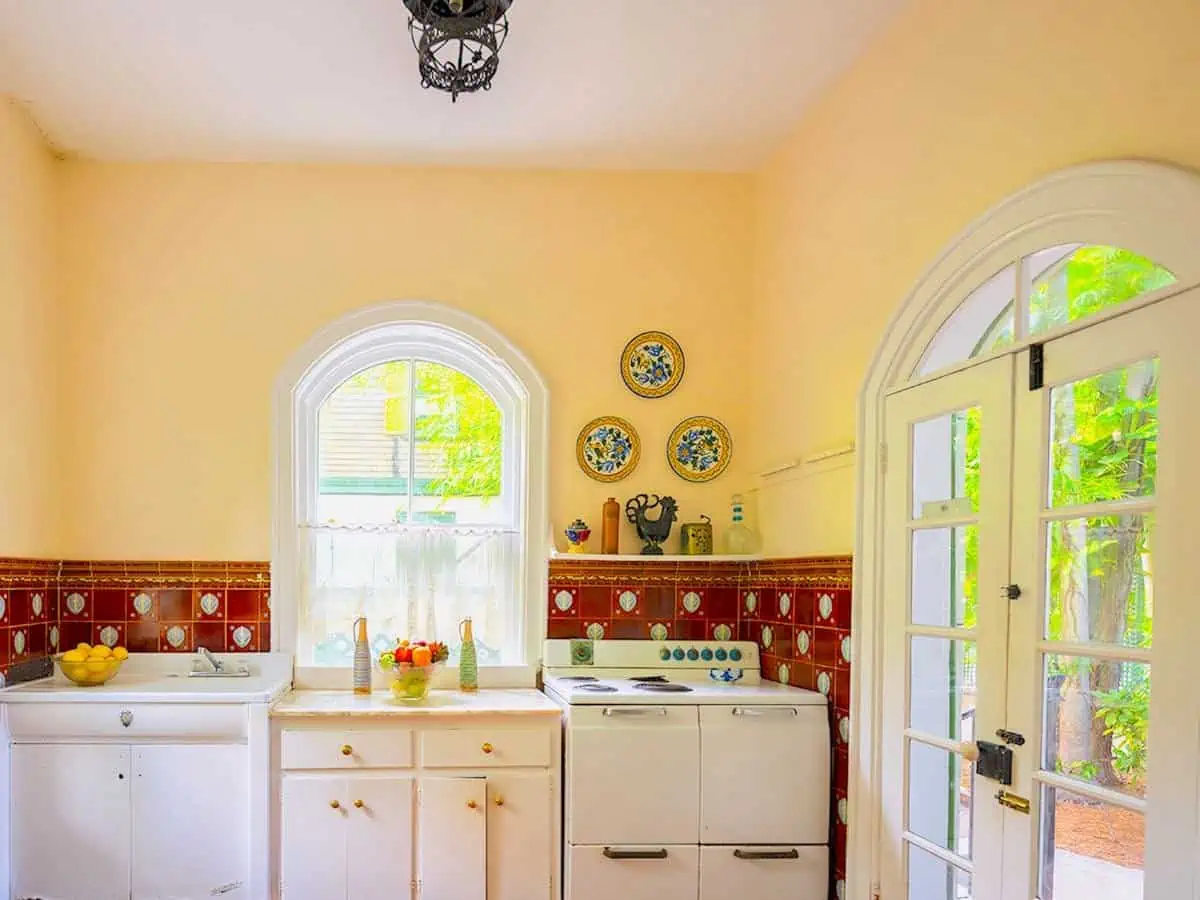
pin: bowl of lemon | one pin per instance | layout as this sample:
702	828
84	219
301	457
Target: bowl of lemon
90	666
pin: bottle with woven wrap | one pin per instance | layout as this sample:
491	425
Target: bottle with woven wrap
468	667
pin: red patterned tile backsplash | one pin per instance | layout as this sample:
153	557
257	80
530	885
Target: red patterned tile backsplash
52	605
797	610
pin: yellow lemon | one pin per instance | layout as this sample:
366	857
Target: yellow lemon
83	648
120	653
74	656
101	652
97	666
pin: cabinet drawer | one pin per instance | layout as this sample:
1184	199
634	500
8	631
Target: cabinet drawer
131	722
484	748
345	749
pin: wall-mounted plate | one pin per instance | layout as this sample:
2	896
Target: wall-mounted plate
652	364
699	449
608	448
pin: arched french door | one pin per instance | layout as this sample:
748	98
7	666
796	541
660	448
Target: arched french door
1031	729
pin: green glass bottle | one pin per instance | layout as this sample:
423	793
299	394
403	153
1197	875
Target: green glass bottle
468	668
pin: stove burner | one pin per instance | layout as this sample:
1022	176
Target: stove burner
649	679
579	678
597	688
663	687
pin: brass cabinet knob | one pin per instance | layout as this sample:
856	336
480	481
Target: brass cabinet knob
333	804
499	801
471	804
487	748
347	749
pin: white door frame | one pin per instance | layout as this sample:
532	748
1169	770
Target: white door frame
1151	208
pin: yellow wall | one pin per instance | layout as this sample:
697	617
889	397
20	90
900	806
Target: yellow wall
186	287
28	448
959	104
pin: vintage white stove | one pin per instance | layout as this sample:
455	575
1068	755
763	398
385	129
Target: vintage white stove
687	775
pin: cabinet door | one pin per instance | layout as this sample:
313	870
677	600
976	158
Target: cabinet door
70	821
520	836
453	839
764	775
764	873
313	837
379	835
190	821
634	873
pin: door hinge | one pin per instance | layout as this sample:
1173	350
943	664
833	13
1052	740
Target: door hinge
883	457
1037	366
875	894
1010	591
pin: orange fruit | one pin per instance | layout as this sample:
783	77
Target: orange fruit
422	656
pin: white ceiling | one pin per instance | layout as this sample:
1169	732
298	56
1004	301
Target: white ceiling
632	84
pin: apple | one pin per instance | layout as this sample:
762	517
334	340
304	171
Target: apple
403	655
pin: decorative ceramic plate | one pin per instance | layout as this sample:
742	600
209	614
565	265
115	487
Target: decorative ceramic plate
652	364
699	449
608	448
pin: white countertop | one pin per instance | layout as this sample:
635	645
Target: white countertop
489	701
162	678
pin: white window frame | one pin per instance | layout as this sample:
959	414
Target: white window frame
1150	208
431	332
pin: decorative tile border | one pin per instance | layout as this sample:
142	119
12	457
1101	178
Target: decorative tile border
147	606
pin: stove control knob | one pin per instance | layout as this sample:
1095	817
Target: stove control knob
721	654
678	654
706	654
664	654
693	654
735	654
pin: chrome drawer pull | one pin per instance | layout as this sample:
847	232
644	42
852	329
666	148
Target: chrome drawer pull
767	854
661	853
635	710
765	711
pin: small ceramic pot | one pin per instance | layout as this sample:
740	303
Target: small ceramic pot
577	534
696	538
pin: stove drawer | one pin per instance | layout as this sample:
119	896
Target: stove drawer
764	873
633	775
765	776
633	872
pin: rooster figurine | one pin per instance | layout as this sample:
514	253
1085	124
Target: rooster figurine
653	531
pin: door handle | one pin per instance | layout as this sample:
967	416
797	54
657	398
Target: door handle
660	853
767	854
765	711
635	710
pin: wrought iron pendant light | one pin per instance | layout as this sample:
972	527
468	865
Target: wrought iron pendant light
458	42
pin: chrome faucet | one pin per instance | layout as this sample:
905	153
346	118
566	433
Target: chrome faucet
214	664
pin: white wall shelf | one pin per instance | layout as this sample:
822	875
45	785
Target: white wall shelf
665	558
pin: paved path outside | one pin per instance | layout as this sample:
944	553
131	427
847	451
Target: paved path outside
1079	877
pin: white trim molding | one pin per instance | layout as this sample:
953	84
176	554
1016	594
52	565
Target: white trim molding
1150	208
376	334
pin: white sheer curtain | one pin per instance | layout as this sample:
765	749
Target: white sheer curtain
410	582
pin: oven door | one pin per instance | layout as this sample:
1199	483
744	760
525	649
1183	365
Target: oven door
633	775
765	777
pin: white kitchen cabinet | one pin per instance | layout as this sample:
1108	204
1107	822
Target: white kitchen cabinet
520	835
379	836
347	838
314	839
633	872
765	775
73	797
764	873
190	820
453	824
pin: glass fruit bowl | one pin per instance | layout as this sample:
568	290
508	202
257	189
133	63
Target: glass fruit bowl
90	672
410	683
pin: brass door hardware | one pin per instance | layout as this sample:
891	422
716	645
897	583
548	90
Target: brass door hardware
1012	801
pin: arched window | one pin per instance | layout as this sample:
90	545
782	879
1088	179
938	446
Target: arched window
412	490
1042	291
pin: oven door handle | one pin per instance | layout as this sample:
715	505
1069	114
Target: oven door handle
765	711
610	853
767	854
635	710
